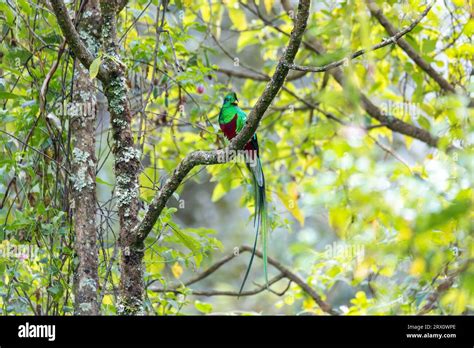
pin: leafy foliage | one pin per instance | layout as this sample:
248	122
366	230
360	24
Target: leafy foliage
375	221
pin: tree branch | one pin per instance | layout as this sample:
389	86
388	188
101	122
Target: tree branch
388	121
444	286
246	75
209	293
397	125
284	273
409	50
254	117
296	279
388	41
84	164
121	5
210	270
126	166
74	40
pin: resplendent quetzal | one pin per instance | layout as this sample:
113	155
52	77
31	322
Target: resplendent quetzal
231	120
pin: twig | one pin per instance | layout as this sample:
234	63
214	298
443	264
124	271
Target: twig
296	279
444	286
245	75
388	41
209	293
390	152
135	21
375	112
409	50
284	273
35	150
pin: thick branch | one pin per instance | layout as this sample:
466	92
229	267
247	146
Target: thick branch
409	50
391	40
254	117
395	124
126	167
73	39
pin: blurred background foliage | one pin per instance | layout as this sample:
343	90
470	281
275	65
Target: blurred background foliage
374	221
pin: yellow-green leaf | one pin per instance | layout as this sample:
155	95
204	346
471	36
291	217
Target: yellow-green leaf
290	200
417	267
237	16
94	68
177	270
339	219
268	5
202	307
108	300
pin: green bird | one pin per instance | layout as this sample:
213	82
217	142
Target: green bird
231	121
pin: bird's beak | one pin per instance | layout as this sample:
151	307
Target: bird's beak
236	102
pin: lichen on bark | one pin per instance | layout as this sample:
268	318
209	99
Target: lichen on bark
84	164
127	165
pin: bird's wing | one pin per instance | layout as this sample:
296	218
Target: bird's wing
241	119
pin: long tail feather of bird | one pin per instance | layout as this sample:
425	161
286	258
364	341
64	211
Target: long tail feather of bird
260	220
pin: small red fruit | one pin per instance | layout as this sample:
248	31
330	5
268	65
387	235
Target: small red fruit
200	89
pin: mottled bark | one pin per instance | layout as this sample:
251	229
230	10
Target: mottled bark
127	165
75	42
84	165
112	75
127	192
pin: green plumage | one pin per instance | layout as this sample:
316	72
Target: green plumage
231	120
227	114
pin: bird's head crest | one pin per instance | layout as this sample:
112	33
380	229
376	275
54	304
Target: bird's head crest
231	99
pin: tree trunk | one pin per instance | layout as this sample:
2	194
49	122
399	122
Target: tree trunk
83	168
127	165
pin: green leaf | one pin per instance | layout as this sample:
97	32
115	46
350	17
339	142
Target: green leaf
8	95
10	16
94	68
268	5
191	243
218	193
202	307
237	16
102	181
438	219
